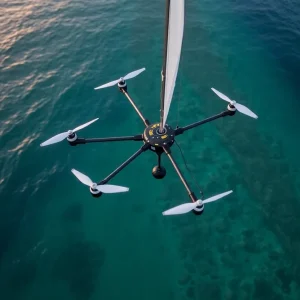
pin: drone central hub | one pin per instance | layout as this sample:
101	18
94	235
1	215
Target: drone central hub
158	140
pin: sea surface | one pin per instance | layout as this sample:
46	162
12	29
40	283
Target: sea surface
57	242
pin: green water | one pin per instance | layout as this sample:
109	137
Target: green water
57	242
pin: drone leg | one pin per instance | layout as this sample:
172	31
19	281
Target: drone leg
124	164
79	141
199	209
181	130
146	122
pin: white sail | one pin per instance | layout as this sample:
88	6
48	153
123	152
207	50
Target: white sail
175	35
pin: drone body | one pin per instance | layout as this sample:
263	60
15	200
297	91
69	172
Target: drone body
157	137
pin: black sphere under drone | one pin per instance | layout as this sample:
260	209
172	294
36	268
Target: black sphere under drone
157	137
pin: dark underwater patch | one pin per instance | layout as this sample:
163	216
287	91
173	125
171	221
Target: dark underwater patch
73	213
18	277
285	277
264	290
79	264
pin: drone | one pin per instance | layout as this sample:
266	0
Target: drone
157	137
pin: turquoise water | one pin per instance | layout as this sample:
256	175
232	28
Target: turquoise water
57	242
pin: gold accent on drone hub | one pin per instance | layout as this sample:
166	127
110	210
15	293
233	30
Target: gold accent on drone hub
156	139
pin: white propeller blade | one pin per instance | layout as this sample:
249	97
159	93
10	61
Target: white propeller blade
108	188
84	125
222	96
217	197
57	138
128	76
61	136
241	108
187	207
104	188
181	209
83	178
245	110
107	84
134	73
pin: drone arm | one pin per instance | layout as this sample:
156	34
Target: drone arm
146	122
124	164
191	194
181	130
108	139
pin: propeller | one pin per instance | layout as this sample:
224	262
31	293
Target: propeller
128	76
61	136
241	108
187	207
103	188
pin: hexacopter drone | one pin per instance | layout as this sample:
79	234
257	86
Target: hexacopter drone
157	137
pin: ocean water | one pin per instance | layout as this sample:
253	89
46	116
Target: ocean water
57	242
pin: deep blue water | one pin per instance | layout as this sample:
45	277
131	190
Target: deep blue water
57	242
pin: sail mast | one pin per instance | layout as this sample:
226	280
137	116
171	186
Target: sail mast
163	72
173	42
